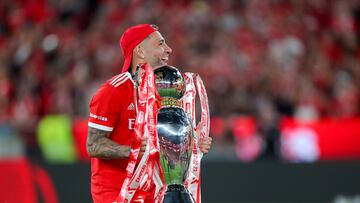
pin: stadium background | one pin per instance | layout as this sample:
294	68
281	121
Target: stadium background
283	80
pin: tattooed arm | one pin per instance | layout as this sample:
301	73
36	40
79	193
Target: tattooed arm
98	144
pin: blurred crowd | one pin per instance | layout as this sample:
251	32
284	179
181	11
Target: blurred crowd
260	58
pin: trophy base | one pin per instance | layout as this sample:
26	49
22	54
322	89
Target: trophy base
177	194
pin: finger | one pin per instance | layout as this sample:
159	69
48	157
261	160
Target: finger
206	142
204	150
207	147
207	139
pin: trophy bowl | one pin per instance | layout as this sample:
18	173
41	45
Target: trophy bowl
175	134
175	140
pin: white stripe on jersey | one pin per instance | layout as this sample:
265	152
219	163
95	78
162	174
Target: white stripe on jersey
100	127
121	82
117	78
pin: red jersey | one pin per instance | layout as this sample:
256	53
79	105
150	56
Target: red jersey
113	109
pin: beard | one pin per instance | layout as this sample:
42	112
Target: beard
157	63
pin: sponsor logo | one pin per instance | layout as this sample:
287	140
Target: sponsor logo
131	107
102	118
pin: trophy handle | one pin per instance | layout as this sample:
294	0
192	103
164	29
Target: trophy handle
194	84
205	112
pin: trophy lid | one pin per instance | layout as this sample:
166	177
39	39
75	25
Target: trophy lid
169	82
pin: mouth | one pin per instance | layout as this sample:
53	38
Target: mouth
165	59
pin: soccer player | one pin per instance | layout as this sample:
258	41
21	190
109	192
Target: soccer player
113	112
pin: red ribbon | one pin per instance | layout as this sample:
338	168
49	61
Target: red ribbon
194	84
145	125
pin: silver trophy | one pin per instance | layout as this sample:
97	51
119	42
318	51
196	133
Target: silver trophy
175	134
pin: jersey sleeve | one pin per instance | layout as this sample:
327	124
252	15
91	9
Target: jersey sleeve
103	112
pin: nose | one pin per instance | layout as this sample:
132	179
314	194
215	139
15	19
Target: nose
168	50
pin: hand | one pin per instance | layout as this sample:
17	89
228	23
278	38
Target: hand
205	142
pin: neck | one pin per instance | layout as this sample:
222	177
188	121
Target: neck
134	63
132	69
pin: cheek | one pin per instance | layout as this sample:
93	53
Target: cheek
157	53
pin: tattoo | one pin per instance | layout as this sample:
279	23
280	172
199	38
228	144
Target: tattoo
98	144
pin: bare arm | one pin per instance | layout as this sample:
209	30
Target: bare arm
98	144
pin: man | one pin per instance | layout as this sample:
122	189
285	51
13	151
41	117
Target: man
113	112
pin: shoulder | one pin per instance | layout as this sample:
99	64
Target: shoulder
114	87
119	80
115	83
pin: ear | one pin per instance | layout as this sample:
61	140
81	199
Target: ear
139	52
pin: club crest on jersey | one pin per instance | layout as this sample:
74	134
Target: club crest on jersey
131	123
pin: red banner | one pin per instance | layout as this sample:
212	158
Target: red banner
326	139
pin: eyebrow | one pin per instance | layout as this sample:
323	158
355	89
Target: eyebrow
160	40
